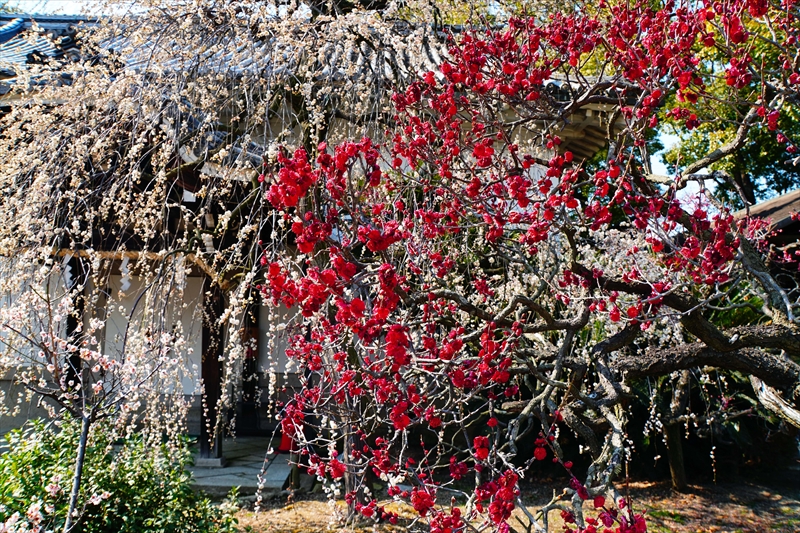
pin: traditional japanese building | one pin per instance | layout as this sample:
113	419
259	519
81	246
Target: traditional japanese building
26	42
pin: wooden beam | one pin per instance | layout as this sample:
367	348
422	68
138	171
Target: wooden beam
148	256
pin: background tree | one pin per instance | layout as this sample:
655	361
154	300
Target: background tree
764	166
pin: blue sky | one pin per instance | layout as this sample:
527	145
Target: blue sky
655	160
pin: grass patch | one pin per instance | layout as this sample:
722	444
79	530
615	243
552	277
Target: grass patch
670	515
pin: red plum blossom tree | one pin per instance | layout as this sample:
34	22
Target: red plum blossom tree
465	289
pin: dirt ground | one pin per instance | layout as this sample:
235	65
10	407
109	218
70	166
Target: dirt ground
724	508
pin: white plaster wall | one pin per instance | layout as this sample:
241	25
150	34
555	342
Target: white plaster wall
26	311
181	314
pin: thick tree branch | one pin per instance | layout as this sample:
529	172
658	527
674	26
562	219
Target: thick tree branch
617	341
774	402
727	149
777	371
776	336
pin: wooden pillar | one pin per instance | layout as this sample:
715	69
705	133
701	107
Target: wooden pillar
74	374
213	345
247	418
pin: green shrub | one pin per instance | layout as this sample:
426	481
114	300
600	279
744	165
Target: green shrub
126	488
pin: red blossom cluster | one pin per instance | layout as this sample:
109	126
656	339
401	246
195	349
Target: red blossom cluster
294	179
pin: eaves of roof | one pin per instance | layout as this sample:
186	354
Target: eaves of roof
11	29
583	135
26	39
46	22
779	209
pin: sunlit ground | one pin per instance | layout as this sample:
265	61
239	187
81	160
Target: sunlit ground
725	508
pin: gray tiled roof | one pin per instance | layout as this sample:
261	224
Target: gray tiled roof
342	61
23	48
29	38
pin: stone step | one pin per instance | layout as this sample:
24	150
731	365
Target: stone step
245	462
